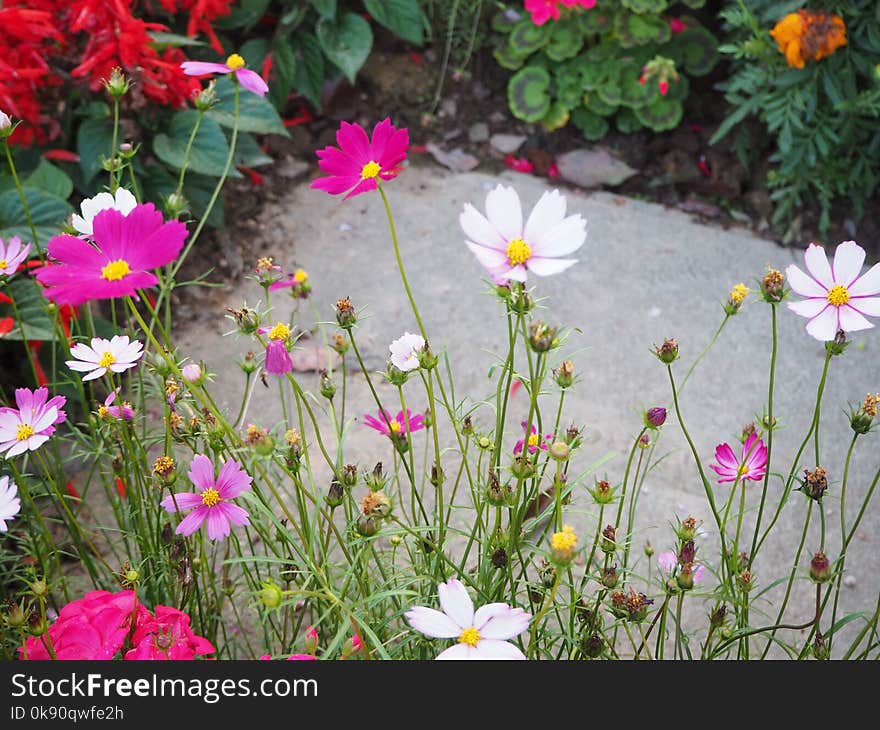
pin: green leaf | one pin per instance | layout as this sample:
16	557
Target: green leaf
637	30
696	49
31	304
592	126
527	93
565	42
508	59
255	113
527	37
198	190
51	179
166	40
661	115
94	141
285	63
346	42
556	117
401	17
325	8
245	14
209	149
308	72
249	154
254	52
48	212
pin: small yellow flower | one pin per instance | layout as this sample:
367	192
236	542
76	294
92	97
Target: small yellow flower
563	544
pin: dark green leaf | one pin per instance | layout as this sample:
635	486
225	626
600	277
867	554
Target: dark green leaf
209	149
346	42
249	154
401	17
51	179
308	72
48	212
31	304
527	93
164	40
255	113
94	141
325	8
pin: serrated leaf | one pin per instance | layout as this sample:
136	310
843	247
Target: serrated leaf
209	149
48	212
256	114
51	179
401	17
308	72
346	41
526	37
94	141
31	304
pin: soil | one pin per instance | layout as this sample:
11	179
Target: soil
679	169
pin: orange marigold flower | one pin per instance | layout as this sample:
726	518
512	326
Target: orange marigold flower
808	35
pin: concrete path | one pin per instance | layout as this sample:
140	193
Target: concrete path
646	273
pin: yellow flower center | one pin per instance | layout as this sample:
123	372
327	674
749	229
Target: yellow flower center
300	276
279	332
533	440
235	62
518	252
738	293
564	541
210	497
24	431
107	359
838	295
470	636
3	263
103	411
743	469
394	426
370	170
115	270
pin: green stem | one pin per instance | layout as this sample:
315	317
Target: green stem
24	202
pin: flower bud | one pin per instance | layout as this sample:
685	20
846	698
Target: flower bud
15	616
574	436
340	343
685	577
518	299
838	345
311	640
603	492
655	417
820	568
609	538
542	337
547	574
667	353
862	419
367	526
249	363
496	494
610	577
687	529
349	475
745	580
270	594
522	467
499	558
117	85
346	315
375	479
427	359
376	504
247	319
484	442
773	286
592	646
564	374
735	299
6	127
328	387
717	615
562	545
176	205
649	550
560	450
193	373
39	589
163	467
687	553
335	495
820	648
437	476
205	99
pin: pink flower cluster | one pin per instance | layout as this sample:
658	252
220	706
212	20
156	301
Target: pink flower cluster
544	10
101	624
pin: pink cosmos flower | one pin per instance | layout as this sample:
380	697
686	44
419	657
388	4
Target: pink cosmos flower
397	425
166	636
126	248
354	166
752	465
481	635
92	627
250	80
30	425
278	361
837	297
510	250
124	412
10	504
544	10
11	255
211	503
533	440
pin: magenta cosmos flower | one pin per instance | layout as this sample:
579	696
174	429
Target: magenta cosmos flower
211	503
124	412
29	426
751	465
510	250
12	254
533	440
837	298
235	65
669	562
480	634
125	248
397	425
355	165
278	360
167	636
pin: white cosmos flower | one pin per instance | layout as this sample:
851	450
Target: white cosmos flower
116	355
10	505
838	295
510	250
405	351
123	201
480	635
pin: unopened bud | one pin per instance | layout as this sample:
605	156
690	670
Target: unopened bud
655	417
335	495
820	568
270	594
667	353
346	315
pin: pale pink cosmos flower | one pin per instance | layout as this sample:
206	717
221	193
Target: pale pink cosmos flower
533	440
405	351
396	425
122	200
192	373
250	80
355	166
668	561
10	504
509	250
116	355
752	465
482	634
123	412
837	297
29	426
126	248
211	503
12	254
